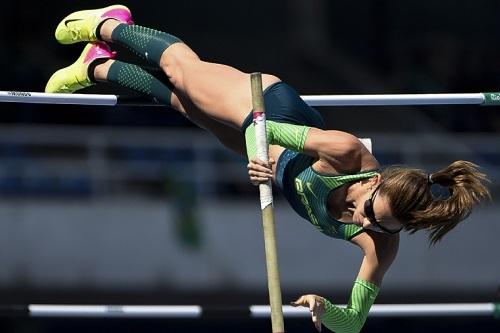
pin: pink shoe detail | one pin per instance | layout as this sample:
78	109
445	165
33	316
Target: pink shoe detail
97	51
122	15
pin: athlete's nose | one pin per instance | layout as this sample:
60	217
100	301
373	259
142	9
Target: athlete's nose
366	223
357	219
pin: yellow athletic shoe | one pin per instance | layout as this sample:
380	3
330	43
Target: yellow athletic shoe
75	76
81	26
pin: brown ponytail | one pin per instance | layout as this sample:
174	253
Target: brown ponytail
412	203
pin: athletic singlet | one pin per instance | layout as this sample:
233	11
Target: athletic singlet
307	192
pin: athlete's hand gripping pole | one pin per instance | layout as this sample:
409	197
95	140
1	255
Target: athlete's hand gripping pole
266	202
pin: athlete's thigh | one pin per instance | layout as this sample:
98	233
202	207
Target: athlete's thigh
222	92
229	136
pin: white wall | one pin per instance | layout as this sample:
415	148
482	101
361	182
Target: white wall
134	244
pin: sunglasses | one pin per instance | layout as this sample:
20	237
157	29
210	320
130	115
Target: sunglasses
370	214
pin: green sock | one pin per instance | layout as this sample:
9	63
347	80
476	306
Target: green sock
135	78
147	43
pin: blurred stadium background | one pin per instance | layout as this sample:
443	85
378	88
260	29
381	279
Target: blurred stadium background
136	206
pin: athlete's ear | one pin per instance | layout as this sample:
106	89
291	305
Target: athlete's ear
376	180
372	182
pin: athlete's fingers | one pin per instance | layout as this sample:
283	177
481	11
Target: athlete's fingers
317	323
260	168
305	300
316	320
259	174
311	300
316	307
258	177
317	311
259	162
298	302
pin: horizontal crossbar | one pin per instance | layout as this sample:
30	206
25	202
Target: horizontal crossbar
312	100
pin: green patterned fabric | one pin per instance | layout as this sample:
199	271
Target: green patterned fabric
312	190
135	78
285	135
145	42
351	318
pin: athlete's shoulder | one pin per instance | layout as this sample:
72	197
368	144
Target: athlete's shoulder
337	150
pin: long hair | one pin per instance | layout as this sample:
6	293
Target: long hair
413	204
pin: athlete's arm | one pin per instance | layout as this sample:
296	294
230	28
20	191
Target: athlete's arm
337	150
380	251
340	150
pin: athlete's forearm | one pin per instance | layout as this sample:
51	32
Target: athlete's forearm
351	318
289	136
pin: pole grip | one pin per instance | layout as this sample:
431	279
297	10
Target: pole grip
259	121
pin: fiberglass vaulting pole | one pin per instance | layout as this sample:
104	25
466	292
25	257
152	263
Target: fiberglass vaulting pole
266	201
